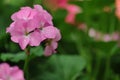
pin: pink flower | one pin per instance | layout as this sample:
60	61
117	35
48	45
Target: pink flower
30	27
107	38
55	4
92	32
62	3
117	4
115	36
10	73
26	21
72	11
24	33
52	44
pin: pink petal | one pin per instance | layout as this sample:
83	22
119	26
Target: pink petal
44	16
23	42
16	74
48	51
36	38
47	16
32	24
62	3
49	32
11	28
73	9
4	70
54	45
58	35
38	7
15	38
20	26
26	13
10	73
14	16
70	18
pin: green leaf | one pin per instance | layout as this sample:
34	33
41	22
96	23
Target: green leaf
65	67
37	51
14	2
13	57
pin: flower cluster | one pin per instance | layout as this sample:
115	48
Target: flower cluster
31	26
98	36
10	73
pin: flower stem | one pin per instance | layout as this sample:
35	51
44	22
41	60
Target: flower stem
106	75
27	51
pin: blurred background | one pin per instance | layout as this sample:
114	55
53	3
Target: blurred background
90	44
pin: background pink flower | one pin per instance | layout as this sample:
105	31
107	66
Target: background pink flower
10	73
117	4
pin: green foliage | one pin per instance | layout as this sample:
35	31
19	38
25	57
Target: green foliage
13	57
62	67
16	57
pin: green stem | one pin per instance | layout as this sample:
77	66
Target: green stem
27	51
97	66
119	33
107	67
117	77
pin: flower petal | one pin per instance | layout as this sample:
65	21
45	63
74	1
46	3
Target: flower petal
48	51
49	32
54	44
4	70
16	74
23	42
36	38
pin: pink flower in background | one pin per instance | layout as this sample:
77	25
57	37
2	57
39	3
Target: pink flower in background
115	36
32	26
117	4
10	73
72	11
106	38
82	26
55	4
63	4
92	32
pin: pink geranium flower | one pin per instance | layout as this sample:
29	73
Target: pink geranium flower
10	73
31	26
26	21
